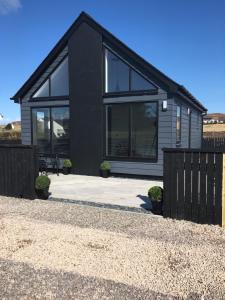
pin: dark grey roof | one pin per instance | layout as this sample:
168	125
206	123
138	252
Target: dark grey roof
173	86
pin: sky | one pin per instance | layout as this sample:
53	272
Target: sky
185	39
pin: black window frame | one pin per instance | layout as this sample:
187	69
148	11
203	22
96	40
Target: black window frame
48	98
130	92
50	117
178	141
130	158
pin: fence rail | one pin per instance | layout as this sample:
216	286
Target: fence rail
211	143
193	183
18	170
10	142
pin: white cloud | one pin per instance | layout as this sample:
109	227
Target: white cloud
8	6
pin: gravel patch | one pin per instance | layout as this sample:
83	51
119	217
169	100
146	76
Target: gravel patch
125	255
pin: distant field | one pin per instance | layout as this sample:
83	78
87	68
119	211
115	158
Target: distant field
215	130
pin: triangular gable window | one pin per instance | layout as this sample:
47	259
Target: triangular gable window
138	83
120	77
43	91
59	80
57	84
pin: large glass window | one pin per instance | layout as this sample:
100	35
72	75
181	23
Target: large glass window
120	77
138	83
51	130
60	130
59	80
143	129
43	91
178	126
131	130
117	79
57	84
118	130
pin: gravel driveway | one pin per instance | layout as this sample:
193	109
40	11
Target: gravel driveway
53	250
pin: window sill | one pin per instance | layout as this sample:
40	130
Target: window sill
132	159
56	98
129	93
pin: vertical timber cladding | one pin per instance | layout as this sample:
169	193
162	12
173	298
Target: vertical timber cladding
86	108
194	185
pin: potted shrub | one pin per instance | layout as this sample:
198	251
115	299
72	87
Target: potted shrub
155	194
67	165
42	184
105	169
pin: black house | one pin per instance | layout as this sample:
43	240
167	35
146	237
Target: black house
94	99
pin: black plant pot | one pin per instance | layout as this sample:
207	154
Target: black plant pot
157	207
104	173
43	194
66	171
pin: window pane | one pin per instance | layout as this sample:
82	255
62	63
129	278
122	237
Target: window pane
43	91
144	129
178	125
117	135
41	129
59	80
117	74
139	83
60	130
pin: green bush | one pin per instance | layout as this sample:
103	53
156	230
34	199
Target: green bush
42	182
155	193
67	163
105	166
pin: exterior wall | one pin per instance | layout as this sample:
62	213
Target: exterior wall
164	137
196	130
196	125
26	105
87	111
86	127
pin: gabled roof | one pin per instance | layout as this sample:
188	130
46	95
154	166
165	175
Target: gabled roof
173	86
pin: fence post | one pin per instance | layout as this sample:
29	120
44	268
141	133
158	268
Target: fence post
223	192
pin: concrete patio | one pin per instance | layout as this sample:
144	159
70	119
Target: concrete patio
111	191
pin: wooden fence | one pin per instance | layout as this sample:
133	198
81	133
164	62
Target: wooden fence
194	185
18	170
10	142
210	143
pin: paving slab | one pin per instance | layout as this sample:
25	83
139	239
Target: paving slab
125	192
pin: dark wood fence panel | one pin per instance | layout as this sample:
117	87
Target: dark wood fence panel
10	142
193	185
211	143
18	170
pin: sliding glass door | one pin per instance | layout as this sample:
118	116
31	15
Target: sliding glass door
131	130
50	127
41	129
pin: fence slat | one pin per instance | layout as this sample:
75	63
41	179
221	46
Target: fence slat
195	187
180	185
210	212
218	188
167	188
202	198
173	176
188	186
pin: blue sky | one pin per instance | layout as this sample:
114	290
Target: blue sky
183	38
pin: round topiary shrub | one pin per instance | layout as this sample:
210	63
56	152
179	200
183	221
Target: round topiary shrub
105	166
67	163
155	193
42	182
